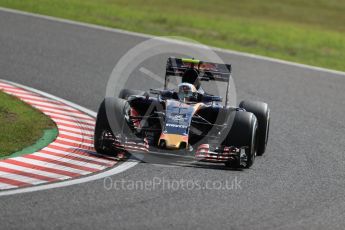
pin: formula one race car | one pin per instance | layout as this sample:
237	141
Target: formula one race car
186	121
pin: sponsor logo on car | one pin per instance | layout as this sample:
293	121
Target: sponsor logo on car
176	126
178	117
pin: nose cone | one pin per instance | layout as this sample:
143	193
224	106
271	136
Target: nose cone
173	141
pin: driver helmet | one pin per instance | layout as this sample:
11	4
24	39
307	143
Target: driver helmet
191	76
186	92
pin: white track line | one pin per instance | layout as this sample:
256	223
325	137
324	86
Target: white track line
146	36
94	176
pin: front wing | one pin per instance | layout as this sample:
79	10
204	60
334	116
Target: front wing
203	152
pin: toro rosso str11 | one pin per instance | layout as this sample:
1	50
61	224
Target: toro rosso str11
185	120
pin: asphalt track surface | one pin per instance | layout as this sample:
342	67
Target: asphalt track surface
298	184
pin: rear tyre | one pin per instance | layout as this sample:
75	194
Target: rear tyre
262	113
243	133
125	93
107	123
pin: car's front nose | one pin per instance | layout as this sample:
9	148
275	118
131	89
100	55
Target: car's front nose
173	141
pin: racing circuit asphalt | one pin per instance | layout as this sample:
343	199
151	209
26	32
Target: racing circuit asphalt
298	184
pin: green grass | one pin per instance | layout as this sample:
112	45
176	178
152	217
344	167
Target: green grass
20	124
310	32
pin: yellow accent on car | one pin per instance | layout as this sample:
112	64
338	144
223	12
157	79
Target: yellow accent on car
173	141
190	60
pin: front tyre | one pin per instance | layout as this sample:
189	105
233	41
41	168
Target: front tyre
243	133
262	113
109	120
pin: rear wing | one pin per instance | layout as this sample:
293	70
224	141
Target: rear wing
208	71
